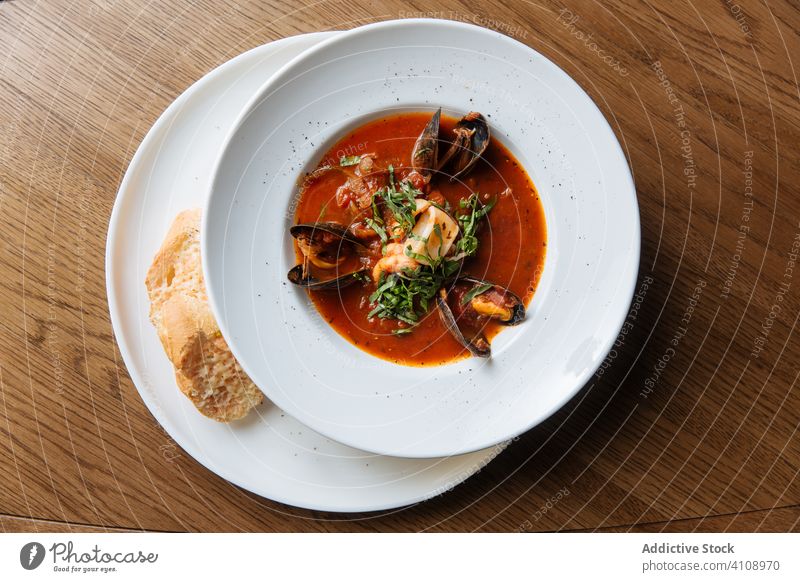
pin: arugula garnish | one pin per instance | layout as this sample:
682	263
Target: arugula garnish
349	160
475	291
422	151
361	276
400	201
402	330
394	298
406	296
377	226
468	222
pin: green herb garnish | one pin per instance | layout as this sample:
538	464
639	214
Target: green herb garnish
394	299
468	222
475	291
400	201
376	225
349	160
406	296
422	151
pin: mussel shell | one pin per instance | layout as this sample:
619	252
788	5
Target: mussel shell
425	153
477	345
297	276
472	152
331	227
517	305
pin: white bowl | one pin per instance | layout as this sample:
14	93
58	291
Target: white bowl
564	143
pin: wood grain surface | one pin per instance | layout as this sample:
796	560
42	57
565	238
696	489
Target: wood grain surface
692	422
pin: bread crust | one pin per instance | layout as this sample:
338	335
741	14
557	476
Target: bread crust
205	369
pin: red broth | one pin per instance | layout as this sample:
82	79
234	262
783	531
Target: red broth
512	244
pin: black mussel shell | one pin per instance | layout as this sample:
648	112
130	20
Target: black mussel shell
299	277
517	305
477	346
471	140
332	227
425	153
477	343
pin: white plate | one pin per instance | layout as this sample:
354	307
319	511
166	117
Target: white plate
553	128
268	453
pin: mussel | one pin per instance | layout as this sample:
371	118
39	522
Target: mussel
468	303
425	153
331	256
471	141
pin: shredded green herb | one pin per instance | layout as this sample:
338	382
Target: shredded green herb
361	276
406	296
475	291
402	330
468	221
400	201
349	160
377	226
394	298
422	151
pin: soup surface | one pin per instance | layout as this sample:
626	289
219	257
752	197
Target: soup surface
512	235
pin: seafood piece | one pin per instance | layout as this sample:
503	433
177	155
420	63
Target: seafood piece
471	141
469	303
425	153
366	165
357	191
417	180
436	197
433	234
394	260
331	256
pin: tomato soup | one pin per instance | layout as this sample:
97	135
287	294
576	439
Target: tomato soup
512	236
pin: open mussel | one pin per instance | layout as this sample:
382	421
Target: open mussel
470	142
468	303
331	256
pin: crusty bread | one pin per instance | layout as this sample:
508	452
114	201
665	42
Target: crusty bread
205	370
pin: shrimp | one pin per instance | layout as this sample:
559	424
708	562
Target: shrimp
394	261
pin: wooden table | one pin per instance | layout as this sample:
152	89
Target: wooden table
690	425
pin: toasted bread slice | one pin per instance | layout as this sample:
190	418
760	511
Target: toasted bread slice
205	369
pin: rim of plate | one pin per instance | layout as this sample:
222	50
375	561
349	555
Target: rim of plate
622	307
